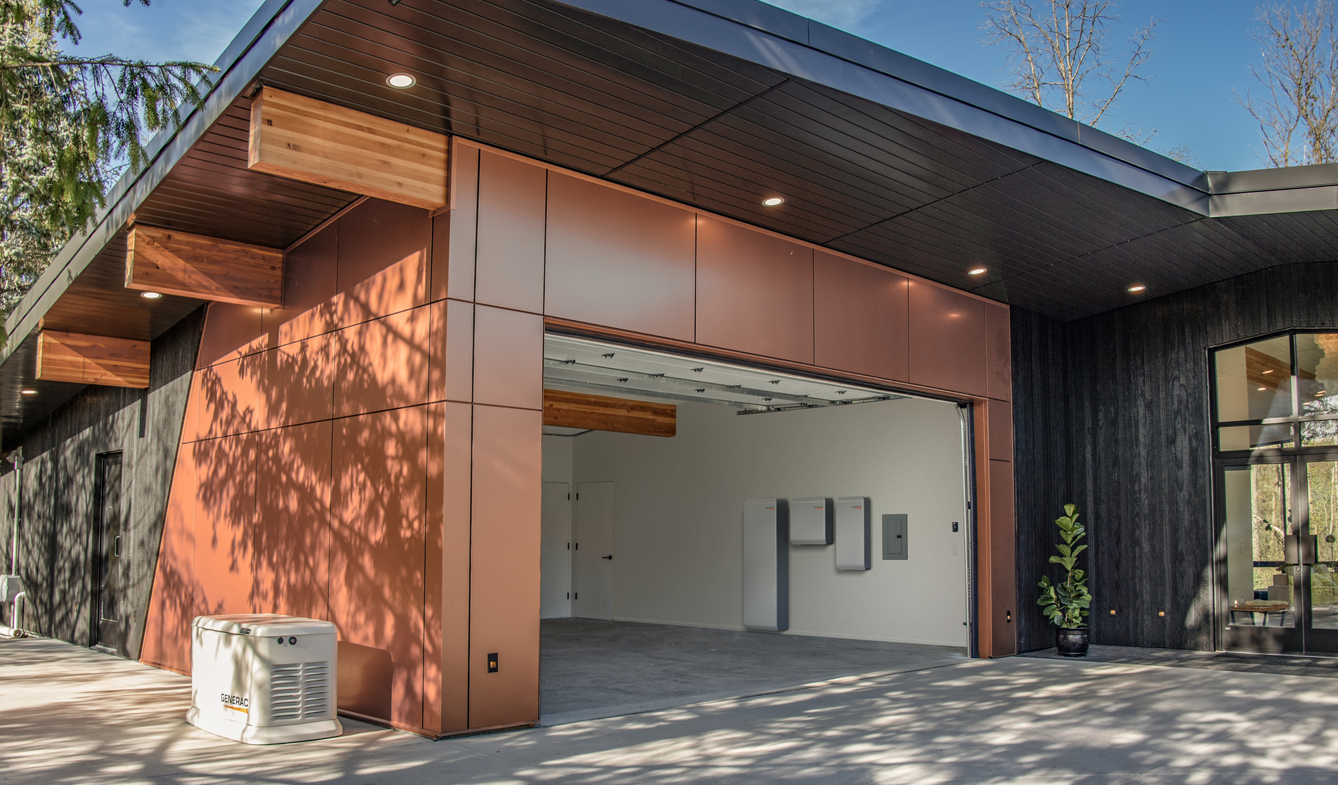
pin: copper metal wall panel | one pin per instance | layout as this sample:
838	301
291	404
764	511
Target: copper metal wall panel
298	383
452	439
947	339
190	428
438	277
504	570
1001	431
382	364
433	509
509	267
225	509
451	375
173	603
464	162
383	255
508	358
754	292
861	318
1003	573
291	537
310	273
230	331
377	562
230	397
998	352
619	260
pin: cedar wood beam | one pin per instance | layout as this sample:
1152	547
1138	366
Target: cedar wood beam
595	412
304	139
170	262
92	359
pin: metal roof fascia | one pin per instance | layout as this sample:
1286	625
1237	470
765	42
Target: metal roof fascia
920	89
262	37
1292	200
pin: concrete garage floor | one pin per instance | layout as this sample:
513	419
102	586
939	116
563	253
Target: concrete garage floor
70	715
590	669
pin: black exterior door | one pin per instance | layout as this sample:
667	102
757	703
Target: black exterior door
110	557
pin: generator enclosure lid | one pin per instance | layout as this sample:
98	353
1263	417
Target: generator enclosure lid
263	625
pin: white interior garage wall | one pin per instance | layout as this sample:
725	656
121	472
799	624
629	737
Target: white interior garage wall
678	509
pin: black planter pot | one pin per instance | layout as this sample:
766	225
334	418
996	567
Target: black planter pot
1071	642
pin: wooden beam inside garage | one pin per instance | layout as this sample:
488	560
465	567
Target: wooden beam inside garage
304	139
597	413
207	268
92	359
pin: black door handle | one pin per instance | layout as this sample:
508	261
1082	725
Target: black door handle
610	557
116	547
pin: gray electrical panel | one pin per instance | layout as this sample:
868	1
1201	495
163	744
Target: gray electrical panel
766	564
894	536
812	521
854	551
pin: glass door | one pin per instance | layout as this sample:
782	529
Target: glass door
1275	416
1258	501
1280	532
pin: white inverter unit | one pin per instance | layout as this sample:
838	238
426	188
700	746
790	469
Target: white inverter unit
854	551
811	521
766	564
264	678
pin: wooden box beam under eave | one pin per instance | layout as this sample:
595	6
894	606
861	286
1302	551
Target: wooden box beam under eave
206	268
304	139
92	359
597	413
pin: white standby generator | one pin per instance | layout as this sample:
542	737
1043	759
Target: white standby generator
264	678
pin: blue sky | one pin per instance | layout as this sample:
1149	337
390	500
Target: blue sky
1202	51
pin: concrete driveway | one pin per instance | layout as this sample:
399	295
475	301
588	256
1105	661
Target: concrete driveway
69	715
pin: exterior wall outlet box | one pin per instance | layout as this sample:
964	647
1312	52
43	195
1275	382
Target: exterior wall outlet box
10	586
853	547
894	536
264	678
766	564
812	521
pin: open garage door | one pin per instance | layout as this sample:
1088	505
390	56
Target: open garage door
866	561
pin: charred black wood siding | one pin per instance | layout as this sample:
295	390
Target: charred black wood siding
1111	413
56	532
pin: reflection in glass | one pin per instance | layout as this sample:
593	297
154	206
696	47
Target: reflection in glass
1254	381
1258	517
1317	372
1249	437
1323	482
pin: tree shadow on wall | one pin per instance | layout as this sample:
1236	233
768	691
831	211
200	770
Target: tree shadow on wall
310	476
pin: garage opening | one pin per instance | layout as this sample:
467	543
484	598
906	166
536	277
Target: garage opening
715	530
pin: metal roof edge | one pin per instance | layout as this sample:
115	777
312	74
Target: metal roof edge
774	28
260	39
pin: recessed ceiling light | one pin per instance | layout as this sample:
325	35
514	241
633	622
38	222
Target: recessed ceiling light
1136	288
401	81
1261	389
774	201
27	392
1270	370
151	295
976	271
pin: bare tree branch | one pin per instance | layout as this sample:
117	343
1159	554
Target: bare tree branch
1298	113
1059	58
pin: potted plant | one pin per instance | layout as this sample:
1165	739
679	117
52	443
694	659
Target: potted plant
1067	603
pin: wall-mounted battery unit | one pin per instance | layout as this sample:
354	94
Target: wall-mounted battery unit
811	521
853	548
766	564
264	678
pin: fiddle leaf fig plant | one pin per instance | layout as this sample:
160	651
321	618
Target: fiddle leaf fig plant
1066	603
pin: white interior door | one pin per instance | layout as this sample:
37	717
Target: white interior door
555	552
592	554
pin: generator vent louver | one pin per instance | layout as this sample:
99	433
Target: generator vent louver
300	691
